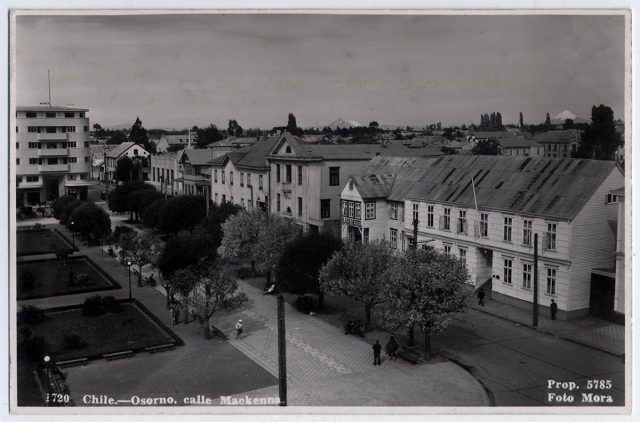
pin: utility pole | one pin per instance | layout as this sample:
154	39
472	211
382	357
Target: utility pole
282	353
414	250
106	177
206	197
535	280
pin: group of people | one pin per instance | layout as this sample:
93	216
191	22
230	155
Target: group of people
391	348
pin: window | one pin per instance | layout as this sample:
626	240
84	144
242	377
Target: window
86	159
526	275
260	182
230	198
241	179
393	210
415	213
393	238
526	232
70	128
17	130
215	198
69	115
32	178
50	114
300	175
462	221
73	160
352	207
277	173
171	177
82	114
50	129
357	215
18	161
508	223
230	178
299	207
447	249
551	237
365	235
223	177
350	184
463	256
54	161
288	173
242	202
72	144
85	128
31	114
334	176
611	198
249	180
278	202
551	281
345	208
446	219
86	144
484	224
33	145
369	210
325	208
215	176
430	215
224	198
508	269
32	129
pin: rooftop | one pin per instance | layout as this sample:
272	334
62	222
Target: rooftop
49	108
517	143
550	187
200	157
120	149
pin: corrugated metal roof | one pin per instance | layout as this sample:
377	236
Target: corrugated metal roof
373	185
552	187
200	157
557	136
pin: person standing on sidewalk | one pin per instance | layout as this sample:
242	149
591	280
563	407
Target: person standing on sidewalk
239	329
554	309
391	348
481	297
377	349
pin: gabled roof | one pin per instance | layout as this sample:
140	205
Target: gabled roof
372	186
199	157
517	143
121	149
339	152
179	139
252	157
558	136
550	187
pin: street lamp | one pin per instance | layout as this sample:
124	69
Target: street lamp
73	233
129	270
47	359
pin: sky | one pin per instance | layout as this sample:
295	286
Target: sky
176	71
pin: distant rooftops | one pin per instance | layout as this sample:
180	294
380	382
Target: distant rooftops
49	108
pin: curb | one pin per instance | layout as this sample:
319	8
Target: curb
524	324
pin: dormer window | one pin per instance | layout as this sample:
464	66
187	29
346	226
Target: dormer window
350	184
288	150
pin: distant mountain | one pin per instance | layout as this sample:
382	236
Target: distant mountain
341	123
566	114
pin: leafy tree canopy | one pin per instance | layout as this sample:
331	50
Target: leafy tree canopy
91	221
207	136
486	147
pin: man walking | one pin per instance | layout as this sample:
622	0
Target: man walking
481	297
391	348
377	349
554	309
238	328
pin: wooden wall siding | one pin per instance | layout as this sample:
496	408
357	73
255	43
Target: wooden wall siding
593	241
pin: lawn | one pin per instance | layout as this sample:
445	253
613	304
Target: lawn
52	278
129	329
38	242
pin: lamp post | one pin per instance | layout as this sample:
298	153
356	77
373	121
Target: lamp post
129	271
47	359
73	233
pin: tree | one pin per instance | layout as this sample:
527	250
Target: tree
521	122
234	128
214	289
301	260
600	138
426	287
91	221
182	212
241	233
151	214
292	126
117	138
211	226
98	131
547	122
373	125
63	207
207	136
359	270
486	147
138	135
119	198
568	124
139	200
181	251
126	170
140	249
272	240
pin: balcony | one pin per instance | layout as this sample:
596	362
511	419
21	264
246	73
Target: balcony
59	136
49	168
53	152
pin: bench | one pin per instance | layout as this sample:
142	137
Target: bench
409	355
160	348
72	362
118	355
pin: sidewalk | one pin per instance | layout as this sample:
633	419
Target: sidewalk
592	332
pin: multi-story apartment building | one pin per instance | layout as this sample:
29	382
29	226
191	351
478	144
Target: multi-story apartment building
242	177
486	210
305	180
52	153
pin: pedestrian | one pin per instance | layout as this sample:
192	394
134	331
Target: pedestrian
176	314
172	314
481	297
238	328
377	349
391	348
554	309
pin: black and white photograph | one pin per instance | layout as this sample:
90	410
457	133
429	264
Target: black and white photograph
416	211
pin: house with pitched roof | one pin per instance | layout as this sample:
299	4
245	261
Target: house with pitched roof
520	146
487	211
242	177
127	149
305	179
195	170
